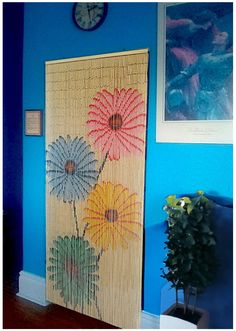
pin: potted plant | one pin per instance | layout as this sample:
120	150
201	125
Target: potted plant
190	261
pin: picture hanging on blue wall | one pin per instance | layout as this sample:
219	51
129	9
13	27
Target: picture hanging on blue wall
195	70
33	122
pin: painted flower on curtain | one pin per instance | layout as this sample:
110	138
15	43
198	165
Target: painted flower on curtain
73	269
113	216
117	121
71	168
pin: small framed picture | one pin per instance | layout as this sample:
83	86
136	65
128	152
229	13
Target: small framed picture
195	73
33	122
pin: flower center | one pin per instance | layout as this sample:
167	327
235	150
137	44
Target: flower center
111	215
71	268
115	122
70	167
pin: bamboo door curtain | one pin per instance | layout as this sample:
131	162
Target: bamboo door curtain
95	163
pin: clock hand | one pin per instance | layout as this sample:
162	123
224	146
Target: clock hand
91	8
89	13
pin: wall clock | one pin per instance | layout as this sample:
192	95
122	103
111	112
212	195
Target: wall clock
89	15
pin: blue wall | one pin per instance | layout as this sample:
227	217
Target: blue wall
13	14
171	168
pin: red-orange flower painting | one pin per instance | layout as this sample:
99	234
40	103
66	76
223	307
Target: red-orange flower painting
117	122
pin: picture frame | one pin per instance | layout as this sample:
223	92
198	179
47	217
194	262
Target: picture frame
33	122
194	73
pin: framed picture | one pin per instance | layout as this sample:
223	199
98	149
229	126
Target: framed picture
195	70
33	122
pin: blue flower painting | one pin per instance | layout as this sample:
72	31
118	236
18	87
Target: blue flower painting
71	168
199	61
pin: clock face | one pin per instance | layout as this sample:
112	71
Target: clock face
89	15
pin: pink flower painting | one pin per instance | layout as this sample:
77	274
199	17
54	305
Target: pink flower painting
117	122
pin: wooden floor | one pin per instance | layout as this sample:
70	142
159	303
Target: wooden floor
19	313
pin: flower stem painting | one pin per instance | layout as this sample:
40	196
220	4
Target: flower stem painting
95	159
197	67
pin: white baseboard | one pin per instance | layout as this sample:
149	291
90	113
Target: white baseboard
149	321
33	288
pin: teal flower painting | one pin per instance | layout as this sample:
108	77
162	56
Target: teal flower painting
71	168
73	269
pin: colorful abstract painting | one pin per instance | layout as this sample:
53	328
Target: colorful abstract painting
195	72
95	163
199	61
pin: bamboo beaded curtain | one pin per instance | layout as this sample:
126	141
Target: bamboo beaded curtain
95	161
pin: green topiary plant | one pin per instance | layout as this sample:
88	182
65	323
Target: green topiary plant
190	261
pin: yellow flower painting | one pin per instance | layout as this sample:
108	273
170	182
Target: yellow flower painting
113	216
